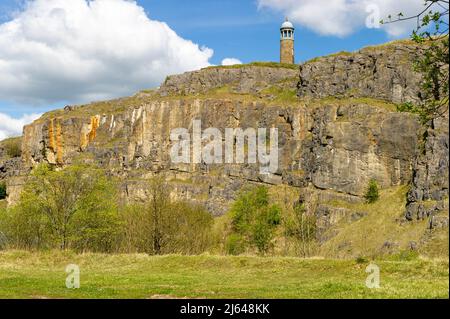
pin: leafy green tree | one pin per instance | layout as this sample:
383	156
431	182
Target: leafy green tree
372	193
433	64
254	219
71	208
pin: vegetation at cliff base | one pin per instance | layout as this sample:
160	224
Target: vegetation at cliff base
71	208
254	221
372	194
301	227
163	226
79	208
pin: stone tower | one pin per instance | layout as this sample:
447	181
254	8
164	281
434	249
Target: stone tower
287	43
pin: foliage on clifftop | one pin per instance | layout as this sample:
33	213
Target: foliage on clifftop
256	64
12	147
384	46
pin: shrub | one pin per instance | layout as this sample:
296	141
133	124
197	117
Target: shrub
72	208
361	260
234	244
164	226
254	219
77	208
2	190
301	226
372	194
12	146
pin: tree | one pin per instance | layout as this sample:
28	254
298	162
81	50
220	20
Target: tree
159	211
72	208
431	30
301	226
162	225
372	194
254	219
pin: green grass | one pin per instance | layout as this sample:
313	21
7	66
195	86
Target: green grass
116	106
366	236
42	275
259	64
282	96
332	100
391	44
386	46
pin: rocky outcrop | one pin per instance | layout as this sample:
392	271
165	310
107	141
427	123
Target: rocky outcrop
429	191
248	79
10	164
381	72
332	140
354	143
338	147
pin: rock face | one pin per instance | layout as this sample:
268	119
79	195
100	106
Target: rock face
10	164
334	147
429	192
354	143
382	72
10	172
339	134
248	79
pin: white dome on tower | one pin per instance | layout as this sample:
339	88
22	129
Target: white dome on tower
287	25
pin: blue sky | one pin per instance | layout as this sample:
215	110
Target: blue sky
247	30
237	28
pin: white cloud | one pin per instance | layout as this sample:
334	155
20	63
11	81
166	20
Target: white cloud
231	61
79	50
344	17
10	126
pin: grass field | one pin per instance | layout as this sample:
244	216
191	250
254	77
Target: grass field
42	275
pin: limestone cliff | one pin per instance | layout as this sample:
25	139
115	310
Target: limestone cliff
381	72
336	117
428	195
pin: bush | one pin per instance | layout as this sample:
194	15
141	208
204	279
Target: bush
301	226
72	208
77	208
165	226
234	244
361	260
254	219
372	194
2	190
12	146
